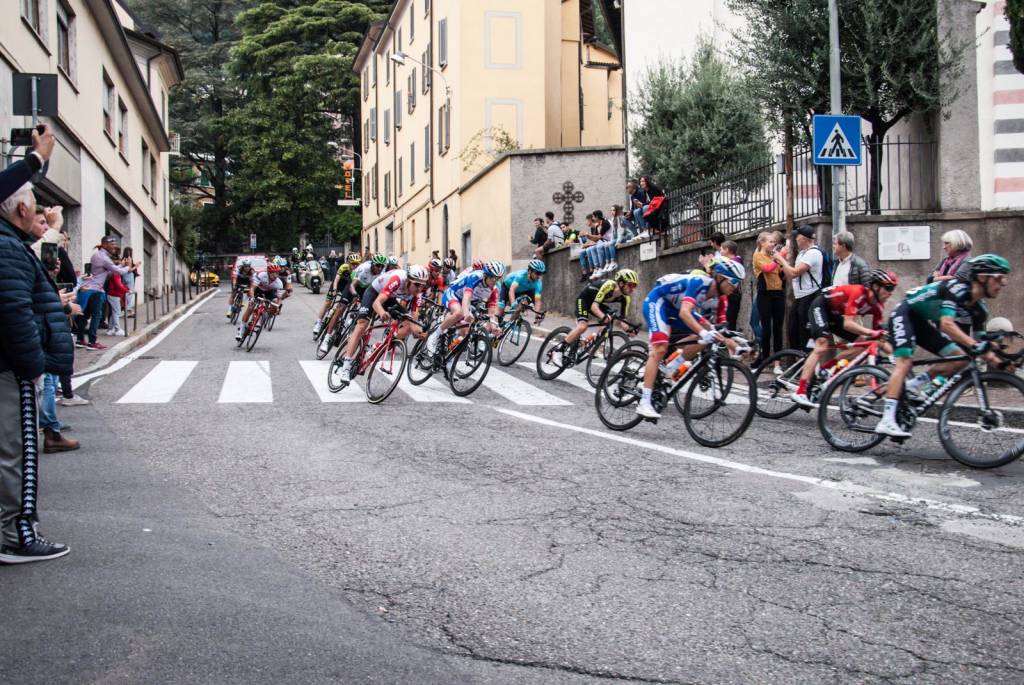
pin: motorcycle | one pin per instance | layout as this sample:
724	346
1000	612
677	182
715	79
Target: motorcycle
314	276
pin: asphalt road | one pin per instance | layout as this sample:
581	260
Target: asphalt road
228	525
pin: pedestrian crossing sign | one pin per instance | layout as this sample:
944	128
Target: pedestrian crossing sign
837	140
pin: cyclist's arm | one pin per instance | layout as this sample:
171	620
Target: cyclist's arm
851	324
512	293
948	325
686	315
378	305
467	300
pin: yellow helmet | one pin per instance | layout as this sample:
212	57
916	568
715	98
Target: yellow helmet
627	276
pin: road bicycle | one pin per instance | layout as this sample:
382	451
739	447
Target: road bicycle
463	358
382	361
261	313
342	327
774	388
717	406
593	348
974	429
514	337
237	303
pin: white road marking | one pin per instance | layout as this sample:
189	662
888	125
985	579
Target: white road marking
79	381
947	508
570	376
520	392
160	384
316	372
431	391
246	383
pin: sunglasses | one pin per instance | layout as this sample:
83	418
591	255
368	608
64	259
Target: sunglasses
1000	278
890	288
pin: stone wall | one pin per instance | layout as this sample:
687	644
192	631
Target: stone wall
999	232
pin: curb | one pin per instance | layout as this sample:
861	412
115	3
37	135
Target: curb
142	337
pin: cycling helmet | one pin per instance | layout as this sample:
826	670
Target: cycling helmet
295	250
435	264
417	274
495	269
478	264
733	271
354	258
449	263
281	262
882	277
379	259
984	264
246	262
273	268
627	276
392	261
536	265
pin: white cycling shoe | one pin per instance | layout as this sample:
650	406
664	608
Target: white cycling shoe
890	428
802	400
647	410
317	327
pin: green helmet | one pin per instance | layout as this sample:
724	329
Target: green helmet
379	259
984	264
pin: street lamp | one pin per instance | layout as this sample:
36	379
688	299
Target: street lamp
400	59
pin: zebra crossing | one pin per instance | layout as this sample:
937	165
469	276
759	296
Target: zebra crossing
252	382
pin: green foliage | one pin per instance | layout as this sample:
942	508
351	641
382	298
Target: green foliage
1014	11
186	220
485	146
697	120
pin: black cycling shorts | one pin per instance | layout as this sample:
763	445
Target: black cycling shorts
908	330
366	304
822	323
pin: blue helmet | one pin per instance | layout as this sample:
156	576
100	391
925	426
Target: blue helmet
536	265
733	271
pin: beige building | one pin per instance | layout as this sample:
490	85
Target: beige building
472	79
109	169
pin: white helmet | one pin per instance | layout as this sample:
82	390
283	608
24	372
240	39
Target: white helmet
999	324
417	274
495	269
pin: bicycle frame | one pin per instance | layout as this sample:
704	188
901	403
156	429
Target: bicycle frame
366	360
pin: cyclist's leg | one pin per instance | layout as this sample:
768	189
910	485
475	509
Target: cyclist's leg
582	321
658	317
362	323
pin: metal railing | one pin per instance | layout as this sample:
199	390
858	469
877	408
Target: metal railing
898	176
159	302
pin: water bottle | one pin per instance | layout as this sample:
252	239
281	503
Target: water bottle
934	386
676	366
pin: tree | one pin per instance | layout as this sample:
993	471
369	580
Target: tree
697	121
1014	11
894	63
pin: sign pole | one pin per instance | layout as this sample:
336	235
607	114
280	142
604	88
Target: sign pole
835	83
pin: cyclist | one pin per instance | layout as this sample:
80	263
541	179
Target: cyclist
240	280
269	286
475	286
927	318
341	280
835	312
673	306
525	282
594	300
448	271
395	288
361	277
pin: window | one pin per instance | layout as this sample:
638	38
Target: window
366	188
442	43
387	67
108	105
412	90
66	40
147	178
398	109
373	124
426	8
366	83
163	108
387	127
426	147
412	164
122	127
33	12
399	184
412	236
154	176
427	75
366	135
387	189
412	22
447	127
375	70
375	175
399	40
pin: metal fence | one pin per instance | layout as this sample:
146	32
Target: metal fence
906	180
159	302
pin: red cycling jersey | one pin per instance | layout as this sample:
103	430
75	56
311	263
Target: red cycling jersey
853	300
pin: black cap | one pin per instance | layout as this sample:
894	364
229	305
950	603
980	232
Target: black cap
110	240
806	231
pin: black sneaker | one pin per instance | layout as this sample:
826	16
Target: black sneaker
39	549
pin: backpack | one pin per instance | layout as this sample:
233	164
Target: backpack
828	267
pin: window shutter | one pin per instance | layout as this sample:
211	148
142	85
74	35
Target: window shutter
442	42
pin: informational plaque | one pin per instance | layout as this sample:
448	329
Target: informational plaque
648	250
904	242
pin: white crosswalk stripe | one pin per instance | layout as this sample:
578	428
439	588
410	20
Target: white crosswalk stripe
520	392
160	384
316	372
570	376
431	391
247	382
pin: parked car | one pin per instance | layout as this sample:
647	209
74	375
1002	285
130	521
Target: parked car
205	278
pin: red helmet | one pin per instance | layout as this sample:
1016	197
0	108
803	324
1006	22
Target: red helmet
273	268
883	277
478	264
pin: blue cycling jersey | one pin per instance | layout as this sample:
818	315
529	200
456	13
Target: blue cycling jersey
524	285
469	281
679	288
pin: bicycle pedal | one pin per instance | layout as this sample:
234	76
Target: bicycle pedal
899	441
654	421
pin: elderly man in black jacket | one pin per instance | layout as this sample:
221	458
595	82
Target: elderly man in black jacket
35	339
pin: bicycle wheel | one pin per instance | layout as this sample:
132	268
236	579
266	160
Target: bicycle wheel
984	439
335	380
549	357
850	408
514	342
470	364
599	359
773	390
271	318
255	334
619	387
420	366
720	402
236	309
385	371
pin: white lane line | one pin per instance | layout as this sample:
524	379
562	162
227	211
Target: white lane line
841	486
160	384
79	381
520	392
246	383
316	372
431	391
570	376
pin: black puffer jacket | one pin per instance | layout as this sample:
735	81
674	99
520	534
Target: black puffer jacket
34	332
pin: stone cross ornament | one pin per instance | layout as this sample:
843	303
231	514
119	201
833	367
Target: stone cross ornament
569	197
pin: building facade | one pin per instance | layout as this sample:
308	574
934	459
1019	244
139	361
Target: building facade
109	167
472	80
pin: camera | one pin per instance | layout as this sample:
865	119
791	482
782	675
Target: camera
22	137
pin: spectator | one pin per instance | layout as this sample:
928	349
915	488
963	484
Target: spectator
770	299
455	259
850	269
555	237
598	256
621	225
636	206
116	292
655	213
716	240
728	249
36	342
540	234
806	276
67	280
957	245
129	278
14	177
91	296
53	440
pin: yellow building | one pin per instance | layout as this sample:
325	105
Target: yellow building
446	87
109	168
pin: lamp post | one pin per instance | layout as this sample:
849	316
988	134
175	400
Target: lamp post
836	93
400	58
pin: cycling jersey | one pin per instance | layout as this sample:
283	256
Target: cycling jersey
267	287
243	280
524	286
913	321
600	292
941	298
828	308
343	269
664	301
389	282
362	276
474	281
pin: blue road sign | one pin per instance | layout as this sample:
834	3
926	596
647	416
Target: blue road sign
837	140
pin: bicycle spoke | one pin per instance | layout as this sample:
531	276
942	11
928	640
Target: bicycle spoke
984	437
